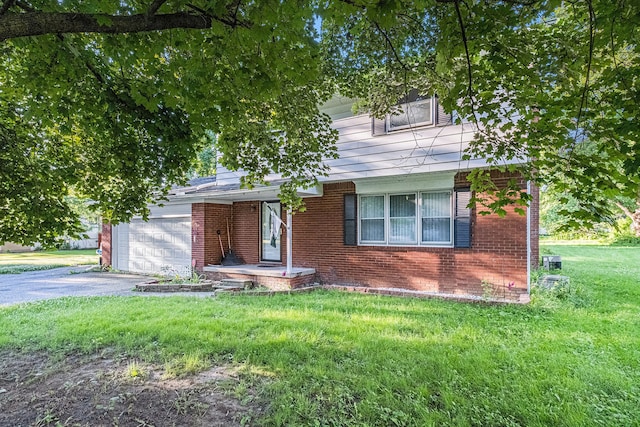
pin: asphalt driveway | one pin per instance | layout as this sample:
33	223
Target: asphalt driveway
70	281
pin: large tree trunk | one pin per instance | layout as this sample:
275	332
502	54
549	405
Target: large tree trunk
634	215
14	25
635	224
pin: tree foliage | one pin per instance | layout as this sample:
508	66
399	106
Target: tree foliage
112	99
206	160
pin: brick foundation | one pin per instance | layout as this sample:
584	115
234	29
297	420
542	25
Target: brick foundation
273	283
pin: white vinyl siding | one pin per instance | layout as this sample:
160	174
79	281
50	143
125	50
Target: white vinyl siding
403	152
406	219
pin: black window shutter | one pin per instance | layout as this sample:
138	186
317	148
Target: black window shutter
378	127
462	220
350	220
442	118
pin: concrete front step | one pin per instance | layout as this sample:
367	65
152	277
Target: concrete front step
206	286
234	284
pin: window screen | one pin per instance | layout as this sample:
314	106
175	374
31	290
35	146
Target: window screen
436	217
372	219
411	114
402	218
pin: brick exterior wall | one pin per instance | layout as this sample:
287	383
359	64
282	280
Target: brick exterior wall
246	231
271	282
106	245
498	256
206	220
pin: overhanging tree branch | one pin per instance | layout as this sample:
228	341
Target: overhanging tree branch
585	90
229	21
463	33
5	6
153	7
14	25
624	209
516	2
390	44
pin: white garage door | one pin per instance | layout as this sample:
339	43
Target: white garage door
161	245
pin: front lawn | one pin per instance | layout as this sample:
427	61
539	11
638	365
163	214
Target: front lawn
15	263
570	358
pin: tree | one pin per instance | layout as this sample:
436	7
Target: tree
205	162
120	118
117	95
551	82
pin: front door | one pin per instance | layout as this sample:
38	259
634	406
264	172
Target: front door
270	232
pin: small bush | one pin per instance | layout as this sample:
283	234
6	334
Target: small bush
562	292
623	235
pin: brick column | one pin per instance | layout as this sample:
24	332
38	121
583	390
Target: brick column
107	253
206	220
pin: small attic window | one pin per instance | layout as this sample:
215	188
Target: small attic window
415	110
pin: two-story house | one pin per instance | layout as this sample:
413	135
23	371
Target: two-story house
391	214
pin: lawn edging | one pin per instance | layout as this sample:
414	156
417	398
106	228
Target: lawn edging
391	292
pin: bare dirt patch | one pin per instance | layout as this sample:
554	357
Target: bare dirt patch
114	391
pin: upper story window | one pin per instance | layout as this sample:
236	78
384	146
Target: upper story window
417	111
413	111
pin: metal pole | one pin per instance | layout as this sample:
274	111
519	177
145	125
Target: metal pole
289	243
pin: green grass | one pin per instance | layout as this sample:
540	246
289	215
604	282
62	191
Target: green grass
330	358
15	263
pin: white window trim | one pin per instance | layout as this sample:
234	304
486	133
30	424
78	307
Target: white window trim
431	122
384	218
418	220
451	241
415	220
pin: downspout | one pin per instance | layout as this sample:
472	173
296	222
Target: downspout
529	242
289	243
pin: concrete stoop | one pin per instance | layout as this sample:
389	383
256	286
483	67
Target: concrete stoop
234	284
175	287
204	286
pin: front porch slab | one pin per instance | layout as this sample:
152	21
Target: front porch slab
270	276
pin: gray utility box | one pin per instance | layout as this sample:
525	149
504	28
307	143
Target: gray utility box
551	262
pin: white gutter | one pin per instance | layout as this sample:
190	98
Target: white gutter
183	190
243	194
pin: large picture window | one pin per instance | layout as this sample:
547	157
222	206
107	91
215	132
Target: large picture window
423	218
